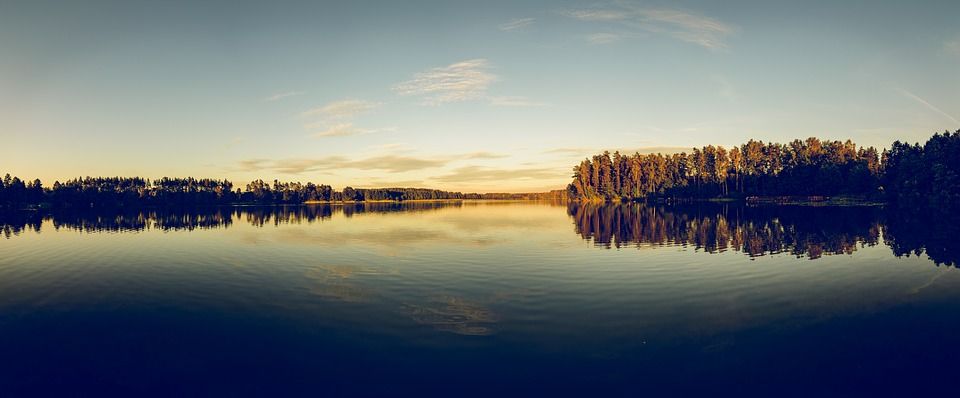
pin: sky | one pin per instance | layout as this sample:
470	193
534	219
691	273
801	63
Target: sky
479	96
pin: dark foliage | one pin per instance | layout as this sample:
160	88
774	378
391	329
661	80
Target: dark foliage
924	176
808	167
802	231
99	192
756	231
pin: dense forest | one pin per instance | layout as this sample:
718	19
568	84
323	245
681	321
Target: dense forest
135	191
907	174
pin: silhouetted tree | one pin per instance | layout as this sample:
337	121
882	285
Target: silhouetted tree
808	167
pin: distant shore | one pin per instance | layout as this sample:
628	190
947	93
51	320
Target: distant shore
840	200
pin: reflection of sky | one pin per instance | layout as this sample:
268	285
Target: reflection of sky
515	268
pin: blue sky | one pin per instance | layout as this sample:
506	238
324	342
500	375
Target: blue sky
474	96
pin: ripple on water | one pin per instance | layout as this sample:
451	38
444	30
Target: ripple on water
454	315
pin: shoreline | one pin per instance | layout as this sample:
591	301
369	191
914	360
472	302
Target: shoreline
839	200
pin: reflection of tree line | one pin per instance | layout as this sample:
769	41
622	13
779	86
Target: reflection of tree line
933	233
798	230
15	222
802	231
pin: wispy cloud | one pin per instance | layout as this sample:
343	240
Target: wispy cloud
516	24
394	147
475	174
342	109
343	130
929	105
952	46
590	151
681	25
395	163
336	118
253	164
280	96
726	89
484	155
603	38
462	81
391	163
598	14
514	101
388	163
391	184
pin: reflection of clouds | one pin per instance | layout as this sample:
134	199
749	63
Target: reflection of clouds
502	296
392	237
467	222
251	238
337	282
929	283
454	315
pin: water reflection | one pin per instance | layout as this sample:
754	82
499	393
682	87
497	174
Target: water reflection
802	231
935	235
16	222
455	315
343	291
339	282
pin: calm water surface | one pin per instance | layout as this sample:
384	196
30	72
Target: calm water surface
478	298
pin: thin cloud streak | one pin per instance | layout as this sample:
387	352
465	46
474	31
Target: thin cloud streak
517	101
516	24
344	130
342	109
952	47
586	151
603	38
704	31
474	174
390	163
280	96
461	81
336	118
929	105
484	155
392	184
597	15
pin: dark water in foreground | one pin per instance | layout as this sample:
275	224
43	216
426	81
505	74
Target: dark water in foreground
488	298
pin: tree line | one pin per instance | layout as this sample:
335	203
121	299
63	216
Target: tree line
927	175
904	173
802	167
137	191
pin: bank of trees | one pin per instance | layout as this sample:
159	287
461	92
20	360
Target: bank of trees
295	192
89	192
927	175
810	167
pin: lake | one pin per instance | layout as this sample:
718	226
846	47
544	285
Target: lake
478	298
